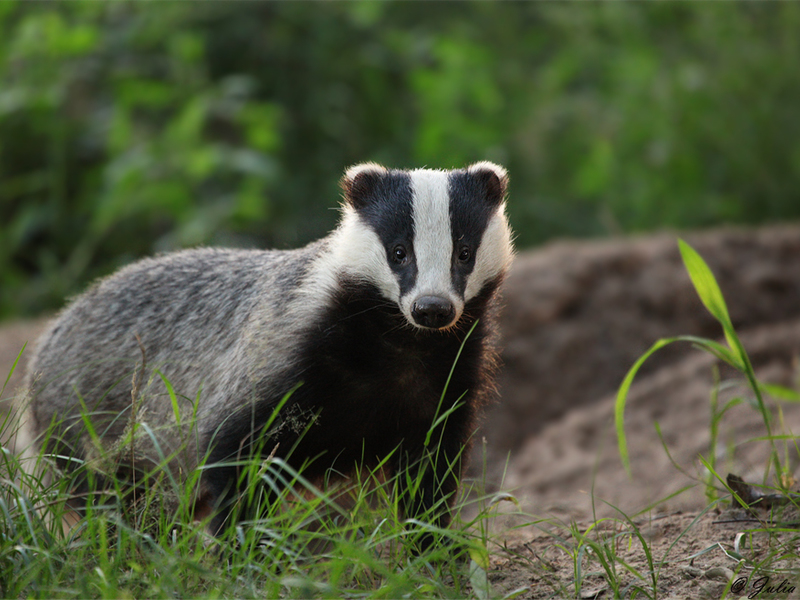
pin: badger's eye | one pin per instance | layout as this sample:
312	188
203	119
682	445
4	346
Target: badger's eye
465	254
399	254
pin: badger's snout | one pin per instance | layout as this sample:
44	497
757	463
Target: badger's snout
433	311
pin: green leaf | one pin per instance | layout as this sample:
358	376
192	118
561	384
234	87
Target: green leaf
13	368
622	396
173	398
721	352
710	346
780	392
710	295
479	555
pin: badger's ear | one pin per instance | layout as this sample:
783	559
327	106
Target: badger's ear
494	179
359	182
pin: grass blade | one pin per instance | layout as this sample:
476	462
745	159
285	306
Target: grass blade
704	282
13	368
622	396
173	398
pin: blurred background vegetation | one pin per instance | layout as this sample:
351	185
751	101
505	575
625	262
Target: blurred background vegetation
130	128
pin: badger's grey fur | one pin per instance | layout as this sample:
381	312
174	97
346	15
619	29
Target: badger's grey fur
368	320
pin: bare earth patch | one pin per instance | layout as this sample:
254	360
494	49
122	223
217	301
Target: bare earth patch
693	554
578	315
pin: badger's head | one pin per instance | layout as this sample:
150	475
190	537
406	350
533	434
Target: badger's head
428	240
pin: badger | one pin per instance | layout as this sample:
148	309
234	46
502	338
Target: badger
375	344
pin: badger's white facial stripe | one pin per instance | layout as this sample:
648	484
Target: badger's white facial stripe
433	239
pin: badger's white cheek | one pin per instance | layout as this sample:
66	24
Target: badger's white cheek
385	280
494	255
356	251
364	256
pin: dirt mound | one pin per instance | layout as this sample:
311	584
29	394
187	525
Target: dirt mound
577	317
554	472
578	314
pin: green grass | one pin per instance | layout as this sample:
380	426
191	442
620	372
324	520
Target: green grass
340	540
307	544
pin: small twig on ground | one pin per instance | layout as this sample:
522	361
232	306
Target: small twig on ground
754	497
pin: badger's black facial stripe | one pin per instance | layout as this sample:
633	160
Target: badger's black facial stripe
470	212
387	210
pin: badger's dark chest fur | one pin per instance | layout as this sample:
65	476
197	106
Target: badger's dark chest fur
369	384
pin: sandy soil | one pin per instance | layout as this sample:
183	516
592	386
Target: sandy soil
693	556
578	315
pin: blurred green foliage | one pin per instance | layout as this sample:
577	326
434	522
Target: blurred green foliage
130	128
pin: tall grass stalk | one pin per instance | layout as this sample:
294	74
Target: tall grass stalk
732	353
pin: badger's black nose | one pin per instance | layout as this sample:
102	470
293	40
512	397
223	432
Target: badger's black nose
433	311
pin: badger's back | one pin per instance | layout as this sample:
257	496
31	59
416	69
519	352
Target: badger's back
185	315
